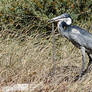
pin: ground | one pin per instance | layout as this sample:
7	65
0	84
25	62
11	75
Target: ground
30	61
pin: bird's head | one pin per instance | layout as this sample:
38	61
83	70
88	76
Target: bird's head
63	18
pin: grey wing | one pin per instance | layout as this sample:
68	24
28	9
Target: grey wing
87	38
80	37
88	41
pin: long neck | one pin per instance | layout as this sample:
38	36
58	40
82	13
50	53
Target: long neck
62	28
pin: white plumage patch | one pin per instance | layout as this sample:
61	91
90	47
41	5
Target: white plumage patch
75	31
68	21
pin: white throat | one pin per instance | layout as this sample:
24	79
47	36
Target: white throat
68	21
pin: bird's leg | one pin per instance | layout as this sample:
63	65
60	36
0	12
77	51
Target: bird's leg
90	59
82	66
89	63
83	60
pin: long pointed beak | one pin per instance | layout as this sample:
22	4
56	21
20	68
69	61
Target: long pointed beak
55	19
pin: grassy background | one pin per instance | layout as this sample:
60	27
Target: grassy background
26	45
28	16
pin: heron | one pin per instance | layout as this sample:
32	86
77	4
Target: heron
79	37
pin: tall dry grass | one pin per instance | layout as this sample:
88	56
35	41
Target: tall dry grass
30	61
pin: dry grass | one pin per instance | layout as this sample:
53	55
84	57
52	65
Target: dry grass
30	61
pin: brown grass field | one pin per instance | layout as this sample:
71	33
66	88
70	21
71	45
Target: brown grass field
31	62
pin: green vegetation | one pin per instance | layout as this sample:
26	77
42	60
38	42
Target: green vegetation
31	15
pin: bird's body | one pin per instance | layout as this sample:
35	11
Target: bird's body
81	38
78	36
